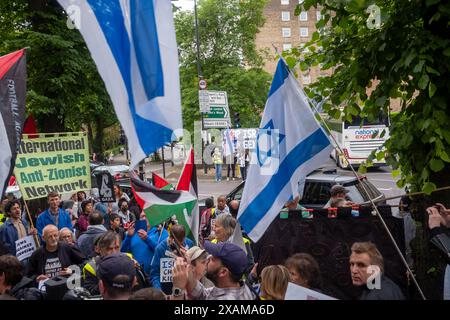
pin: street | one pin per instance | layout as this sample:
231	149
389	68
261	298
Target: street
207	186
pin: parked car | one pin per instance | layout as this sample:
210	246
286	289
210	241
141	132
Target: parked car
316	192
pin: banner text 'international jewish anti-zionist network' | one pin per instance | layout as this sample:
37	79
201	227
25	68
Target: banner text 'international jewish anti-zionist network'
47	164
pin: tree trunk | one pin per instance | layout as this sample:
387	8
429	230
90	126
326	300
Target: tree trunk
98	139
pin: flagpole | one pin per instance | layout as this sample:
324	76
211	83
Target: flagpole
364	188
31	223
28	213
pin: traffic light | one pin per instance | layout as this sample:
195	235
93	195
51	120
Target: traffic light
237	123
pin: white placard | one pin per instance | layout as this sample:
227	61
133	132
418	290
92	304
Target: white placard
165	267
25	247
296	292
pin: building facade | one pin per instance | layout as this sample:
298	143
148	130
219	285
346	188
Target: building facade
283	31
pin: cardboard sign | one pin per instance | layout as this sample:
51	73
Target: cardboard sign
296	292
25	247
165	267
106	187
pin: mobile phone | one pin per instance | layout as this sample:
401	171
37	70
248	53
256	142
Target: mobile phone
141	225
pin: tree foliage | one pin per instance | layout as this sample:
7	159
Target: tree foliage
228	55
404	57
65	91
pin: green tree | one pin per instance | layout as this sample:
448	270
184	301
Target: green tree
228	55
65	92
401	50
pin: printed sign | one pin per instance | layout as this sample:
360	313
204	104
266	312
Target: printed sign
25	247
242	139
106	187
57	163
166	265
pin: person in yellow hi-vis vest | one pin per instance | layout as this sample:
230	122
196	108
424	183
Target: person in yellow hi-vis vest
224	229
105	245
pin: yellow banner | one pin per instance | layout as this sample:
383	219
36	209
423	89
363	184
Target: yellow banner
58	163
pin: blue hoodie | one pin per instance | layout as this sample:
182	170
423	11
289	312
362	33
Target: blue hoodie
143	251
45	218
160	252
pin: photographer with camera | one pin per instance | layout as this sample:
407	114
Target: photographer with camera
439	224
175	245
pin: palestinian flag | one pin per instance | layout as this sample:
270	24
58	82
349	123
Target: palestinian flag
160	182
188	178
159	205
13	75
188	182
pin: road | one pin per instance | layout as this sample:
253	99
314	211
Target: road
380	178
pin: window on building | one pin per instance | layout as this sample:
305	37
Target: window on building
303	32
287	46
318	15
285	16
285	2
303	16
286	32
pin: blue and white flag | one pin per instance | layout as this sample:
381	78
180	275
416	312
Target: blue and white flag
290	144
134	47
229	142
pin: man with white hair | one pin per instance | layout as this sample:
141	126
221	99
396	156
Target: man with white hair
54	257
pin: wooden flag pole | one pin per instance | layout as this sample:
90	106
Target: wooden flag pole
36	238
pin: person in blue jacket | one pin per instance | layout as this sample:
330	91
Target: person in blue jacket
53	215
176	243
14	228
142	244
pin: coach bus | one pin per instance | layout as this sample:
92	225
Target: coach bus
357	139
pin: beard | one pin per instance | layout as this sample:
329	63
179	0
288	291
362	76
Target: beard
213	276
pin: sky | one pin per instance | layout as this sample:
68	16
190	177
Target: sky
184	4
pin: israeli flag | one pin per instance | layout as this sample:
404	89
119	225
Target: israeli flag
290	144
134	47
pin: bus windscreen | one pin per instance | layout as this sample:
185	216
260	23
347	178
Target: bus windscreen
358	121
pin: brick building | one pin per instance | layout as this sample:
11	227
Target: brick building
283	30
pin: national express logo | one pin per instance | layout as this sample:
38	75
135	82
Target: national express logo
366	134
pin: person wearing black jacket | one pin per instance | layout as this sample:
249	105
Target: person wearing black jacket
12	282
439	224
54	258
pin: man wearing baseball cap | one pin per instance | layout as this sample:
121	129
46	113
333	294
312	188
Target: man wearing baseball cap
336	191
117	275
226	266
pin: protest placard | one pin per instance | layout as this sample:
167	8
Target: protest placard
57	163
166	266
25	247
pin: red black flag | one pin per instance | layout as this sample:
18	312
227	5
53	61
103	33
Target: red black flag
13	75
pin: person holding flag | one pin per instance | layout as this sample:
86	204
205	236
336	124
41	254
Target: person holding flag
290	144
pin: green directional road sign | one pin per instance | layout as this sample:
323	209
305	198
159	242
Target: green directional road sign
218	112
218	115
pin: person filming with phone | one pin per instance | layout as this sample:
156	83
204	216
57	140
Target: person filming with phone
176	245
439	224
141	241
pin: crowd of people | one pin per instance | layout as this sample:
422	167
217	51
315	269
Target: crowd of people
121	256
239	159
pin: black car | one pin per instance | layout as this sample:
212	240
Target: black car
316	192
